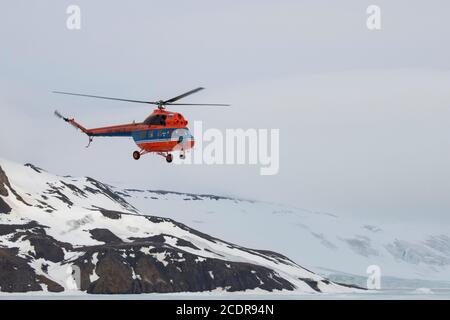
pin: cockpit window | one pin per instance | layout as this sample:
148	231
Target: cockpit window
156	119
180	133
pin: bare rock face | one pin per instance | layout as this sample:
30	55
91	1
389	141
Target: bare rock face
115	276
104	235
127	269
144	265
4	207
3	183
18	276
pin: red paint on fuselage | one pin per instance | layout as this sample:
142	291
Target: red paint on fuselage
171	120
165	146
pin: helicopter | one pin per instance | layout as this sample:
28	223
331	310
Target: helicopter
162	132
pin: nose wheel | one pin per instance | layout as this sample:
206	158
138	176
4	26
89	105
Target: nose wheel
136	155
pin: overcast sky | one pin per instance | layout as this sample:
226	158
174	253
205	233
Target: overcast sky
364	116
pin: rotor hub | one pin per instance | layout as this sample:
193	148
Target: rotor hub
161	104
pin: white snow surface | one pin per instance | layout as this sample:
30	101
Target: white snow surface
72	223
320	241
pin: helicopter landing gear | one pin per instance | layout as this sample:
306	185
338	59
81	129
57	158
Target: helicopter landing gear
136	155
167	156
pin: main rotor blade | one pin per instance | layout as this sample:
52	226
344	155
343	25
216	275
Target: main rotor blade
183	95
199	104
101	97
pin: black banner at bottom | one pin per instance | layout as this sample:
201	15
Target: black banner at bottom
223	309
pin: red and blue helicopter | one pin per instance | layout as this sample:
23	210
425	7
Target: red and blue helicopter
162	132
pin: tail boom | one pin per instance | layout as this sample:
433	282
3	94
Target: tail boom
123	130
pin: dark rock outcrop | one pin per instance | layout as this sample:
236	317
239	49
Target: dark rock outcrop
4	184
4	207
104	235
16	275
112	214
130	270
144	265
32	166
107	191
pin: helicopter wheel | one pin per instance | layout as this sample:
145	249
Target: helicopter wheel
136	155
169	158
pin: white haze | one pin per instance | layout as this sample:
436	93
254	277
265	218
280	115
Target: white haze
364	117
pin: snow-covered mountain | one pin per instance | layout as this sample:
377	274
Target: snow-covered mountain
322	242
54	230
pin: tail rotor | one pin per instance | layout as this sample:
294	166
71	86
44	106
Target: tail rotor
60	116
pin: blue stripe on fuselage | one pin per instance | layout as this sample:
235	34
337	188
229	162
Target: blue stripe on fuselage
112	134
156	135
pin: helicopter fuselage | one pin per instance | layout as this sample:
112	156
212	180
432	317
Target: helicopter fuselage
162	132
